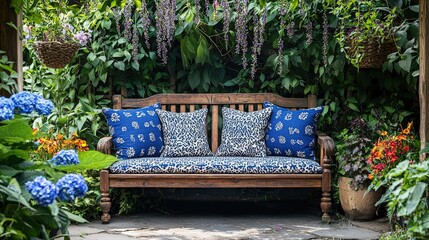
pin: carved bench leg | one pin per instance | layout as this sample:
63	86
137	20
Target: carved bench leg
105	203
326	206
326	190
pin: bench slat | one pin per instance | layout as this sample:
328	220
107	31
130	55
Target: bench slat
215	126
182	108
241	107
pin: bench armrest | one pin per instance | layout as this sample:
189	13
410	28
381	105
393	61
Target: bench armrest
105	145
327	147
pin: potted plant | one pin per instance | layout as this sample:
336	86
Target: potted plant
57	38
353	149
366	33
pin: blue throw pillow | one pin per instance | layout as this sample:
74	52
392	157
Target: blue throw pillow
292	132
135	132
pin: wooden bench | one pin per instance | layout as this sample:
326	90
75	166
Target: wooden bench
214	102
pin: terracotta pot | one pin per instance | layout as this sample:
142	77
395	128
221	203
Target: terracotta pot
356	204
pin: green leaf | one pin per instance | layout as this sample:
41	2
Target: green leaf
230	83
414	8
106	24
119	65
118	54
90	160
91	57
201	54
15	197
194	79
8	171
414	200
74	217
353	107
16	130
406	64
127	55
122	40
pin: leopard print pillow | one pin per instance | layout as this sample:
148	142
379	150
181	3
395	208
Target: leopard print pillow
243	133
184	134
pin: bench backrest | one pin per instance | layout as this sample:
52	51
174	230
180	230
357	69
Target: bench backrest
183	102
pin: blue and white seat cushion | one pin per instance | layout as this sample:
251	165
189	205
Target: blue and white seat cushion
243	133
219	165
135	132
292	132
184	133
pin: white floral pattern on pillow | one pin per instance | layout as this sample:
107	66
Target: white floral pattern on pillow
184	133
292	132
243	133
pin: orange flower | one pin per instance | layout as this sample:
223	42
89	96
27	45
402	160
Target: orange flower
370	176
384	133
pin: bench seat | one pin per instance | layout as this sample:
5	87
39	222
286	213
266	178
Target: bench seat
217	165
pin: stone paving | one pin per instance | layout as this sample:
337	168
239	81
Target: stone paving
190	225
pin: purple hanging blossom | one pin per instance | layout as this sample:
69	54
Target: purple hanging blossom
325	39
207	6
166	26
280	56
128	21
197	11
117	15
282	14
226	19
135	43
258	39
301	7
309	34
290	29
241	29
145	22
83	37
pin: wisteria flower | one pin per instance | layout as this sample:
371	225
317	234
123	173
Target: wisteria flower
44	106
82	37
65	157
71	186
42	190
6	109
24	101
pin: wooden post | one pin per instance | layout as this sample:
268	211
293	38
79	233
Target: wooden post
9	39
424	73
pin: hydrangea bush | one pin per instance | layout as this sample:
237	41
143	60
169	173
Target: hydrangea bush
31	189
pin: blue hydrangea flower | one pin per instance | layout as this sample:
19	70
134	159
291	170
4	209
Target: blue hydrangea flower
42	190
71	186
24	101
44	106
6	109
65	157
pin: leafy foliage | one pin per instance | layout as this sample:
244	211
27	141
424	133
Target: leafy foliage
406	196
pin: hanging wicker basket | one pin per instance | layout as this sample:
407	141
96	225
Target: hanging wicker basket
374	52
56	54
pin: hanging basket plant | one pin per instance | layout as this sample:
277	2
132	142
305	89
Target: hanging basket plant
55	54
57	36
371	53
367	29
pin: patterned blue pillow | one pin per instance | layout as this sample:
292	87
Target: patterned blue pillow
292	132
243	133
135	132
184	133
